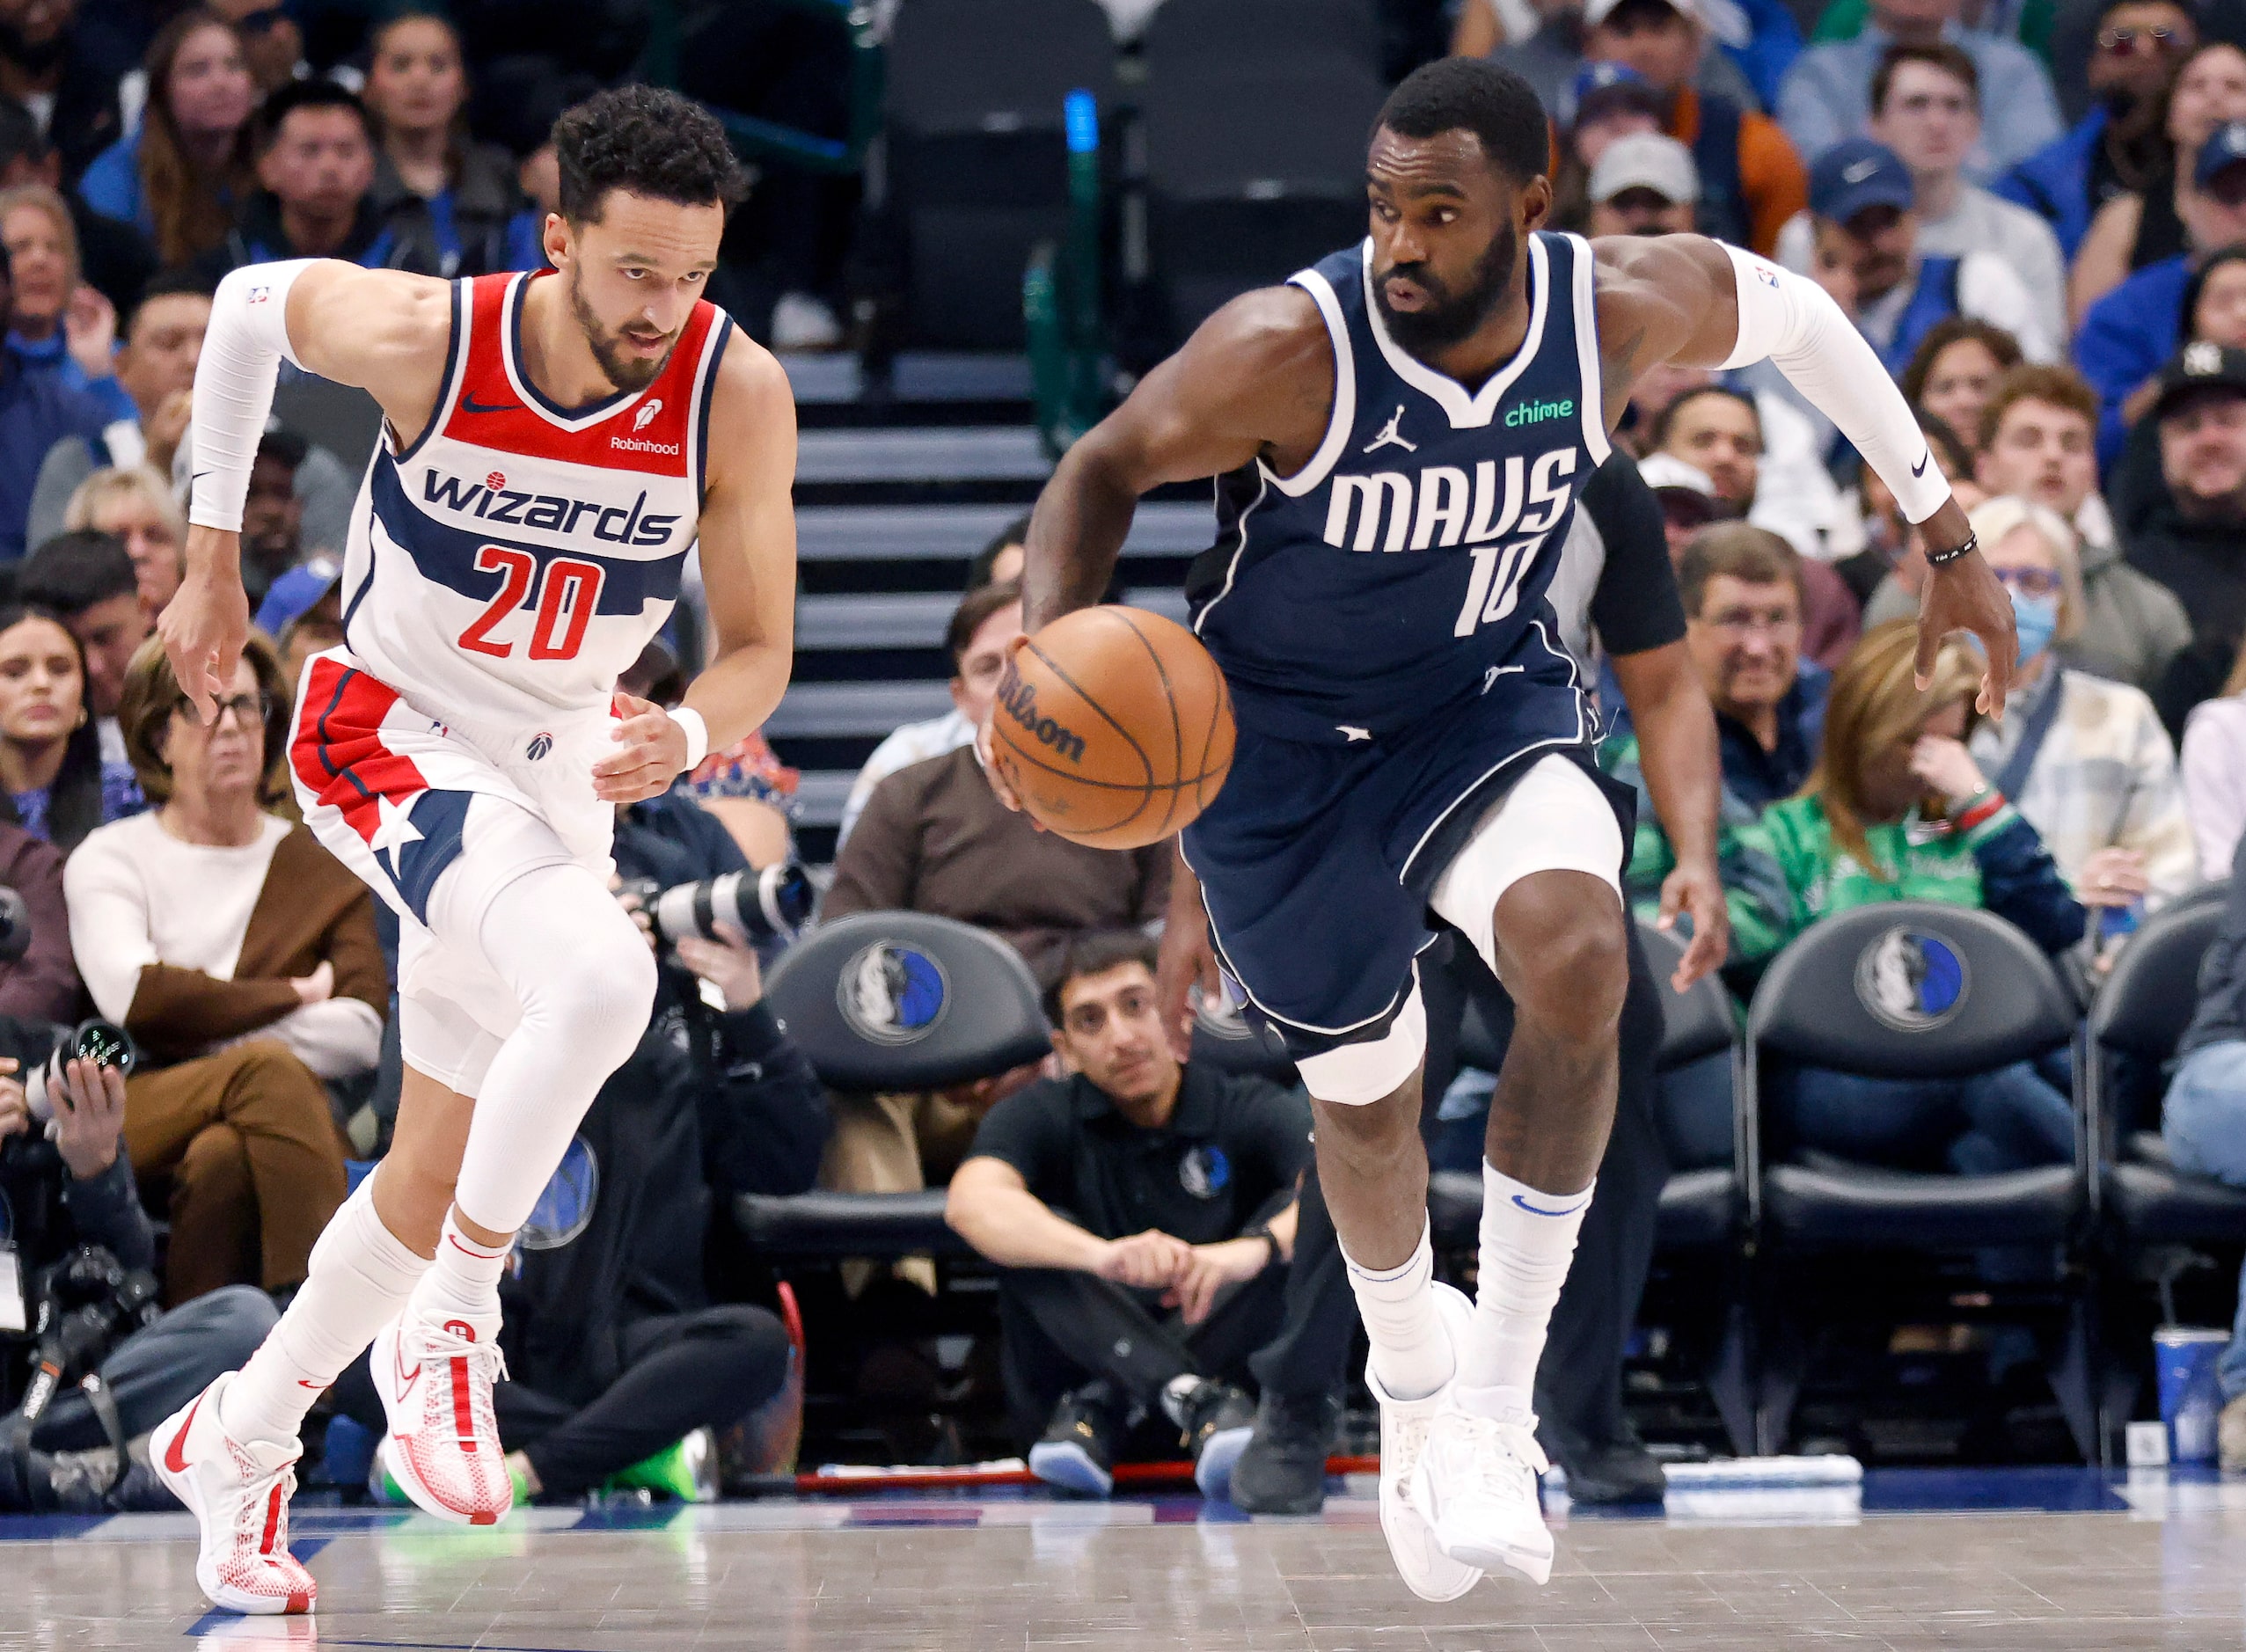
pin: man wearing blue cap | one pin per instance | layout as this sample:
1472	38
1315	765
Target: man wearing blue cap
1866	255
303	612
2131	332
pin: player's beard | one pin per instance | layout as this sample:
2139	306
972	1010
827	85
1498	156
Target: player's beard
622	368
1449	318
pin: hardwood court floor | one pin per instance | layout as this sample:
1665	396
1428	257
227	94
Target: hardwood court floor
2049	1560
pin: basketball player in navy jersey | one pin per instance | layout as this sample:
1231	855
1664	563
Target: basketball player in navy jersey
1399	434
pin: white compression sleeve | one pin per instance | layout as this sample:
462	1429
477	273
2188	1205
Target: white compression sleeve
1793	322
242	352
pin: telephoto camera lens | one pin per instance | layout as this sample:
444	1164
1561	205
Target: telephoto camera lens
104	1043
764	906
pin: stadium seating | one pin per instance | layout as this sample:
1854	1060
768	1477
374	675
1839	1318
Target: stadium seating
1909	990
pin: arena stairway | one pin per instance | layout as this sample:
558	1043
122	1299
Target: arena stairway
899	483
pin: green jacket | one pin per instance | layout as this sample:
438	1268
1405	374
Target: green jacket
1754	885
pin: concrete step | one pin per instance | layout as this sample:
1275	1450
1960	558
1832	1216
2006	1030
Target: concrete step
906	533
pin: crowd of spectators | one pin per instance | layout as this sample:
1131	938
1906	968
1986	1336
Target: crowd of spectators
2037	217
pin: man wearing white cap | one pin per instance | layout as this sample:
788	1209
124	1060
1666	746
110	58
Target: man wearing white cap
1643	184
1750	178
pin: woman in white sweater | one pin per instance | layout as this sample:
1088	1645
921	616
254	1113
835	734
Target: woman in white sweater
244	961
2214	774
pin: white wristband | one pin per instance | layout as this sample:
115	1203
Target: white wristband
697	735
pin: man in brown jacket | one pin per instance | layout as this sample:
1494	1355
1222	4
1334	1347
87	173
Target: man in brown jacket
936	838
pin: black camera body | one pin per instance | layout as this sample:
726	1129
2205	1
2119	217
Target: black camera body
84	1304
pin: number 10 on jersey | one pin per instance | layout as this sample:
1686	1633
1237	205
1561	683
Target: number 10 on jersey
1494	588
568	594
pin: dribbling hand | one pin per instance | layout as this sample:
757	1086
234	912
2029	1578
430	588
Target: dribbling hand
999	789
205	624
1966	596
649	752
1186	959
1697	893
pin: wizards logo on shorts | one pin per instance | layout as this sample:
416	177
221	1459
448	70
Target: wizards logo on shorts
892	993
1911	980
565	1209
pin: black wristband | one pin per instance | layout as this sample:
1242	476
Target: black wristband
1262	1231
1944	558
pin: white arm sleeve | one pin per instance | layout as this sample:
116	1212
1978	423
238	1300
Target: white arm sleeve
242	352
1793	322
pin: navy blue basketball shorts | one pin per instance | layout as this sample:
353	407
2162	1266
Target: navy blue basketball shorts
1327	869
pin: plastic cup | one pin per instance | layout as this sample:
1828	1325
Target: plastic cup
2190	1398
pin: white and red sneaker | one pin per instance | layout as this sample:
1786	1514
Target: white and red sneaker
238	1491
436	1382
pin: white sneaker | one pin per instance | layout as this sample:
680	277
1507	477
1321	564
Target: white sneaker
238	1491
1427	1571
1476	1490
442	1449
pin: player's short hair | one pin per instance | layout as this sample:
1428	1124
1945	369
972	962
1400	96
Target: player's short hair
2058	386
1472	94
151	694
1734	549
1955	330
1952	60
646	142
314	93
1094	954
74	570
974	609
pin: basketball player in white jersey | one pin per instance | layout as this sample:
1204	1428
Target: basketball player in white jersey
554	445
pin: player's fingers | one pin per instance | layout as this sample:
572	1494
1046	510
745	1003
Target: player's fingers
1929	645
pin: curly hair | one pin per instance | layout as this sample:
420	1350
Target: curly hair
648	142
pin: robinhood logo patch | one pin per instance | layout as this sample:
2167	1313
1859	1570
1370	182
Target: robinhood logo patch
1019	700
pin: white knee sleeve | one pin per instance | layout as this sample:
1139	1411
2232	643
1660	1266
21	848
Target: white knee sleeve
1553	819
1357	1075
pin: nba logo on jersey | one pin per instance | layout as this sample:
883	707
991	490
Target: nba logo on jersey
516	558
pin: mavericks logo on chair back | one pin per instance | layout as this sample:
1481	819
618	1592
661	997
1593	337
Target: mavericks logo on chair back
1911	980
891	993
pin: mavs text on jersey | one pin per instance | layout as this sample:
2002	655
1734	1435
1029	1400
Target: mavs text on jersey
1381	619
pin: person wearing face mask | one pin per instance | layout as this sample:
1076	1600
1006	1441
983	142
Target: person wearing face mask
2085	761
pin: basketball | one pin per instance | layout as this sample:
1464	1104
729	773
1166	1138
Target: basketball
1113	727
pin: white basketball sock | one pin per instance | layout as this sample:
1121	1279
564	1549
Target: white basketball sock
361	1275
1528	1238
1411	1351
463	1284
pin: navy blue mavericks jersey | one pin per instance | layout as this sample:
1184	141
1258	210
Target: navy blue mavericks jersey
1402	572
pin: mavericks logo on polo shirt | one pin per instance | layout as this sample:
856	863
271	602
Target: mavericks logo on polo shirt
1204	1172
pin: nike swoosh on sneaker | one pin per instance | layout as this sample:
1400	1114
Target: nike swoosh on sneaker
405	1378
174	1458
469	404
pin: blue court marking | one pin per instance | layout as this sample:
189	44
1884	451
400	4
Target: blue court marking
629	1517
874	1515
2046	1490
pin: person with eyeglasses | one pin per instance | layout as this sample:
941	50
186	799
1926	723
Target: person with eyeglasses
243	959
2113	65
2084	760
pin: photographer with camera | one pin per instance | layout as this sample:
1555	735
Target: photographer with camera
77	1294
615	1351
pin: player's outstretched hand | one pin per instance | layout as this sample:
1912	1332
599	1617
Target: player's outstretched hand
650	749
1966	596
1697	893
1005	792
1186	959
206	622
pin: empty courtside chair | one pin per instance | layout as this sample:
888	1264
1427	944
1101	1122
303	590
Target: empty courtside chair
977	152
1273	31
1909	990
2144	1203
1255	168
886	1001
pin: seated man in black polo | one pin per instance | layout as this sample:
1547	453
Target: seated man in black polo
1143	1211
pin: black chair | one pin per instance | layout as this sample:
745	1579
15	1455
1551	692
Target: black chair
1255	168
979	155
1271	31
1912	989
884	1001
2154	1219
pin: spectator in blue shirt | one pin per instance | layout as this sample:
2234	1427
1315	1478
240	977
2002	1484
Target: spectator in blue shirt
2133	331
316	160
58	323
178	177
58	787
37	410
2117	144
1826	96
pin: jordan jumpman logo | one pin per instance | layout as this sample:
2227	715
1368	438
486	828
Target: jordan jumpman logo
1391	437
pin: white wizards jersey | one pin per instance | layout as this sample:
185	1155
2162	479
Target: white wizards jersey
515	559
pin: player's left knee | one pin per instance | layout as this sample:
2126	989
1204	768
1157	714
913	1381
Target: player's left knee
607	993
1567	956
